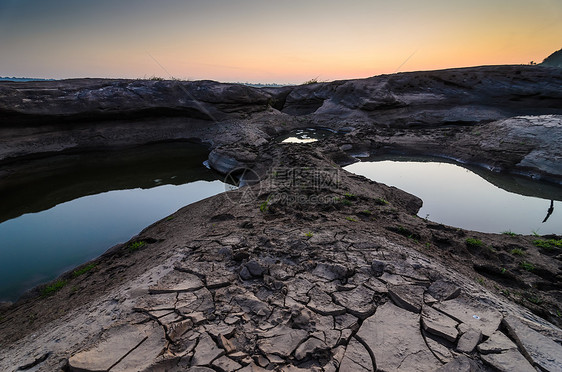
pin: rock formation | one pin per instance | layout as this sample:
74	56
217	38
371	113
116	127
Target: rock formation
342	276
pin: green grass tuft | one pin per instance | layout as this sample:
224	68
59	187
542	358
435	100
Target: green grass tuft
534	299
527	266
510	233
380	201
517	252
473	242
264	207
53	288
352	219
135	246
83	270
549	244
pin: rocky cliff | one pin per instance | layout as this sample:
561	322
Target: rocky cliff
435	112
553	60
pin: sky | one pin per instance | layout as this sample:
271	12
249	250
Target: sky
269	41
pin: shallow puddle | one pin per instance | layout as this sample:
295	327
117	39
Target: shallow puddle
457	196
306	135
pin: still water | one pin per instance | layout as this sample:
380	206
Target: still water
306	135
62	211
459	197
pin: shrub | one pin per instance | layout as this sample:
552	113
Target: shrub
53	288
83	270
135	246
473	242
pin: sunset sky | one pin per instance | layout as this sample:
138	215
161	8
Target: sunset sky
286	41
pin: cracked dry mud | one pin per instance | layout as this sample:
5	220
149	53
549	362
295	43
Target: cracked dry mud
227	286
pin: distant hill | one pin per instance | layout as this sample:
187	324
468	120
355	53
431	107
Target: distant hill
555	59
22	79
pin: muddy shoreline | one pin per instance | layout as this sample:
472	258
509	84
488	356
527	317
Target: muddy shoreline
278	278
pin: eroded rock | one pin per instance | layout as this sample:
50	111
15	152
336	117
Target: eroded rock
439	324
206	351
469	340
356	358
393	336
358	302
544	352
473	314
409	297
118	345
442	290
281	341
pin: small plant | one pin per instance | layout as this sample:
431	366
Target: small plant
311	81
428	245
366	212
309	234
380	201
473	242
527	266
343	201
503	270
264	207
350	196
535	300
510	233
550	244
135	246
535	233
505	292
517	252
558	314
352	219
403	231
480	280
83	270
53	288
170	218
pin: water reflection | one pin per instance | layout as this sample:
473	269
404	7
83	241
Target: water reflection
549	211
306	135
84	204
456	196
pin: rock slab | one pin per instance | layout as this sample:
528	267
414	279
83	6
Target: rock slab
393	336
544	352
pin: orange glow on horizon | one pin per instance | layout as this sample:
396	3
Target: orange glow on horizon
253	41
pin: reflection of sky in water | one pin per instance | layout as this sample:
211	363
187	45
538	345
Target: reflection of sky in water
38	247
299	140
307	135
455	196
